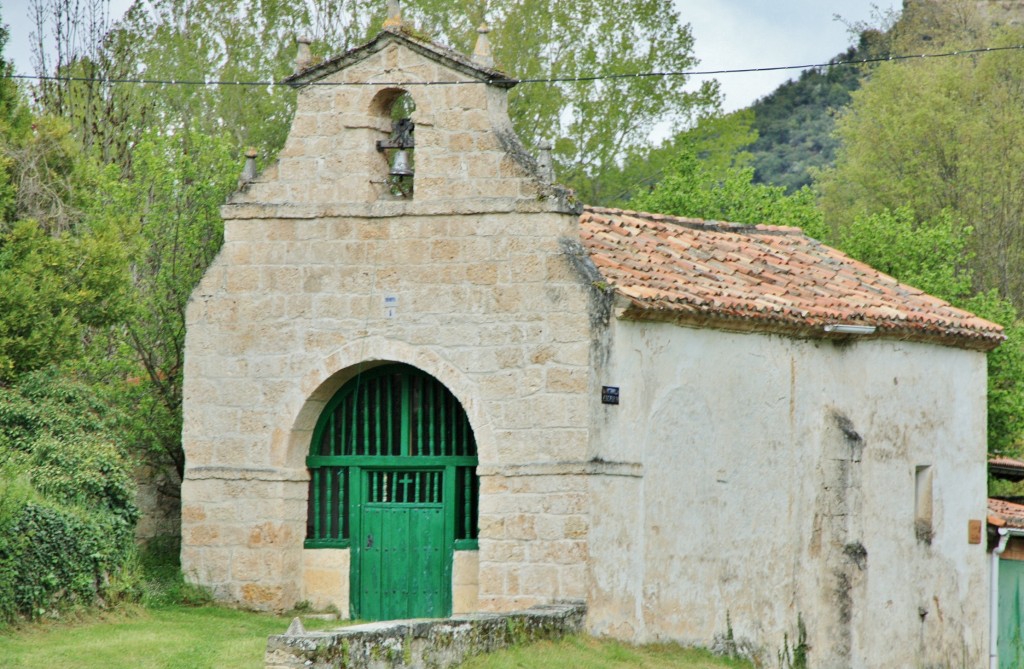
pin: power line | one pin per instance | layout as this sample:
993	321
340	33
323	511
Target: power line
532	80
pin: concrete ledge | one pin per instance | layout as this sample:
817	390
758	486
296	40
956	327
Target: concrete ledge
245	474
423	643
589	468
238	208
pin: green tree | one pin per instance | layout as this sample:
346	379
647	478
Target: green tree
55	288
1005	375
171	210
719	141
692	190
795	122
596	124
942	134
931	255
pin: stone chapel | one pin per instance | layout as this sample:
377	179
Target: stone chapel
422	379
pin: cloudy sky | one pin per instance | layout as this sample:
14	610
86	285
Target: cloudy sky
729	34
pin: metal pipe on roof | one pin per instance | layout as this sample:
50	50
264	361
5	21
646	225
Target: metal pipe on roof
845	328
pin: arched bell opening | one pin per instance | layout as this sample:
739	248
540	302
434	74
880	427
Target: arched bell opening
395	107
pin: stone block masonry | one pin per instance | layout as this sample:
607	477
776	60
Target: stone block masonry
480	294
434	644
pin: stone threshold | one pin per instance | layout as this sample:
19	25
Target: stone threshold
425	643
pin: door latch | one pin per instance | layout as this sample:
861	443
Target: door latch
369	541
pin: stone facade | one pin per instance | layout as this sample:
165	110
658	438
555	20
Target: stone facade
486	301
746	480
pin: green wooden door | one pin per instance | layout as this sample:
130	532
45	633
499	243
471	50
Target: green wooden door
404	557
1011	623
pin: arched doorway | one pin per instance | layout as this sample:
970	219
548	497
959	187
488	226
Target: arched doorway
393	477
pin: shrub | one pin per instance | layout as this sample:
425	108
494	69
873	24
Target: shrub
67	512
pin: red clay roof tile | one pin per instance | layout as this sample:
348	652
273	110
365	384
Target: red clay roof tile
759	277
1007	513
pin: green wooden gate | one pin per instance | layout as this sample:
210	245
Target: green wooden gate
393	477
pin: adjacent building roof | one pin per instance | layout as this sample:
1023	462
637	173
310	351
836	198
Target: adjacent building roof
1005	514
765	278
1007	469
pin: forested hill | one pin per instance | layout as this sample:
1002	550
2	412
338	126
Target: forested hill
794	123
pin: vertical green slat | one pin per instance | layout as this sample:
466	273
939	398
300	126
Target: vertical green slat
341	425
390	418
467	494
375	408
431	406
327	503
353	422
315	473
329	437
343	511
419	416
457	435
407	392
442	423
365	400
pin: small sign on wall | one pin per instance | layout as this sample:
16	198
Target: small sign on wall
974	531
609	394
390	306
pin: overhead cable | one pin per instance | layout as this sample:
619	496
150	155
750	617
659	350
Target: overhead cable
528	80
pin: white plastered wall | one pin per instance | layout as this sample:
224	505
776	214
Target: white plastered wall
778	481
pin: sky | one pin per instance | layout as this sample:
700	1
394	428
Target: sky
729	34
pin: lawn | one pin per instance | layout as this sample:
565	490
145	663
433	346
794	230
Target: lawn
182	637
583	651
209	637
177	627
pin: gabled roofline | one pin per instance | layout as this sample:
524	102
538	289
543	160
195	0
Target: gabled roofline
404	36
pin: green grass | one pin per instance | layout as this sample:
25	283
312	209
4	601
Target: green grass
172	637
218	638
582	651
177	627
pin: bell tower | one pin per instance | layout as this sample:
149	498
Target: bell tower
403	122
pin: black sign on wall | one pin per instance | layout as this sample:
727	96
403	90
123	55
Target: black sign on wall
609	395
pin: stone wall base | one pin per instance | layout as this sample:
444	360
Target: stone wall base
436	643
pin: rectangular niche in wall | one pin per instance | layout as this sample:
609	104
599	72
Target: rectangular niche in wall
923	527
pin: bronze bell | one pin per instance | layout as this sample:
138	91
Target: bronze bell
400	166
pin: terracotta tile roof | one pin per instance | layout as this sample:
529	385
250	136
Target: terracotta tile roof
1005	514
1006	468
765	278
